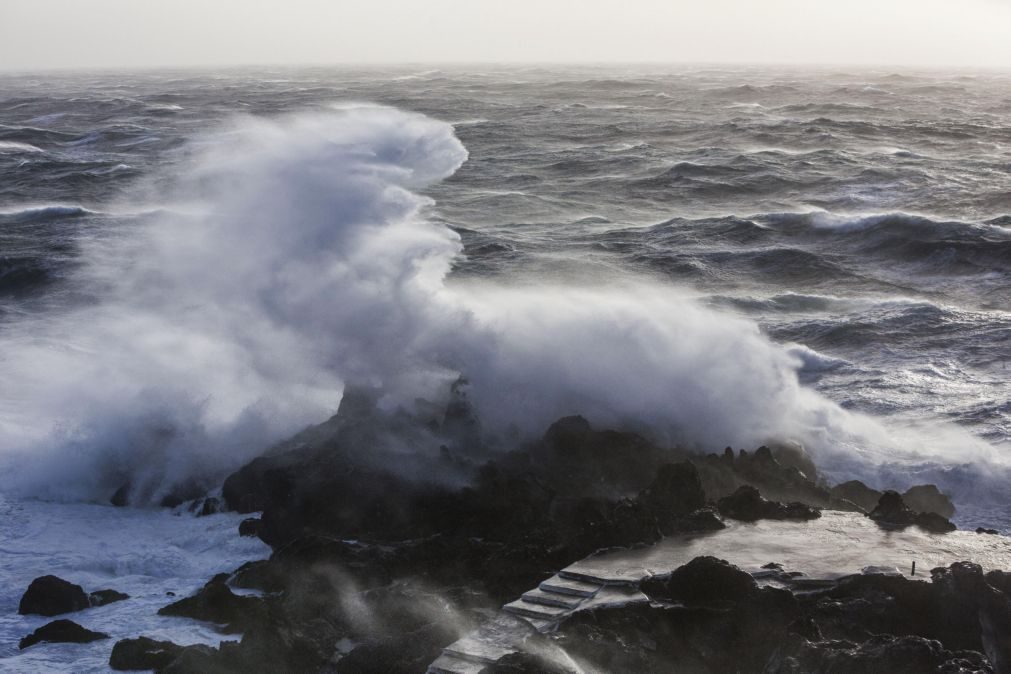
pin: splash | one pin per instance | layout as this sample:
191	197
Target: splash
294	258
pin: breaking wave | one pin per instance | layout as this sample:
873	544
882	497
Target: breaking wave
296	257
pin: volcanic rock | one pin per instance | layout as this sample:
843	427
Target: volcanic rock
703	580
49	596
857	492
61	631
748	505
216	603
927	498
892	511
103	597
143	653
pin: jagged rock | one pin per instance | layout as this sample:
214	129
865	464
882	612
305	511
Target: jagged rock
143	653
249	526
103	597
927	498
703	519
216	603
121	497
793	455
210	506
526	663
180	493
675	492
201	659
703	580
748	505
934	523
892	511
882	654
49	596
857	492
61	631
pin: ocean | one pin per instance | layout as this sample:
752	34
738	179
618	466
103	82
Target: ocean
193	264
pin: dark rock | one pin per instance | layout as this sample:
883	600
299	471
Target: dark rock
983	530
180	493
882	654
702	580
103	597
249	526
527	663
703	519
143	653
216	603
201	659
210	506
858	493
61	631
892	511
49	596
934	523
793	455
748	505
122	496
675	492
927	498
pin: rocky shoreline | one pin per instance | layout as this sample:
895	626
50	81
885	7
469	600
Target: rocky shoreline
388	560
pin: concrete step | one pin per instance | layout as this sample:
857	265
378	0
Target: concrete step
548	598
531	610
449	664
569	586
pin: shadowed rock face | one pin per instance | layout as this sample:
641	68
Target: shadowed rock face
396	555
708	616
49	596
61	631
892	511
748	505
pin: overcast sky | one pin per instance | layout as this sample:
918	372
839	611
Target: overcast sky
144	33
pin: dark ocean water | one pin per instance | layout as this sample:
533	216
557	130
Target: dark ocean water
861	217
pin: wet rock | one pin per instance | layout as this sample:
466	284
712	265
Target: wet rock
882	654
180	493
984	530
121	497
934	523
61	631
748	505
249	527
892	511
210	506
703	580
526	663
703	519
103	597
793	455
201	659
49	596
858	493
143	653
927	498
675	492
216	603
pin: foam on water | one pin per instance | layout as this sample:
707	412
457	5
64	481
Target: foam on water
144	553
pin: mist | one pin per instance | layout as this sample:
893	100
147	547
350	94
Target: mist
126	34
292	257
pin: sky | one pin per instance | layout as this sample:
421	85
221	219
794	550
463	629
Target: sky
39	34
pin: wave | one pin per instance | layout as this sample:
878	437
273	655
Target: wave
43	213
302	259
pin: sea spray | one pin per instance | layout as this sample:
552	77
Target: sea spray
294	256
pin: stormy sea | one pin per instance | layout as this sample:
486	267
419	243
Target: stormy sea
196	266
